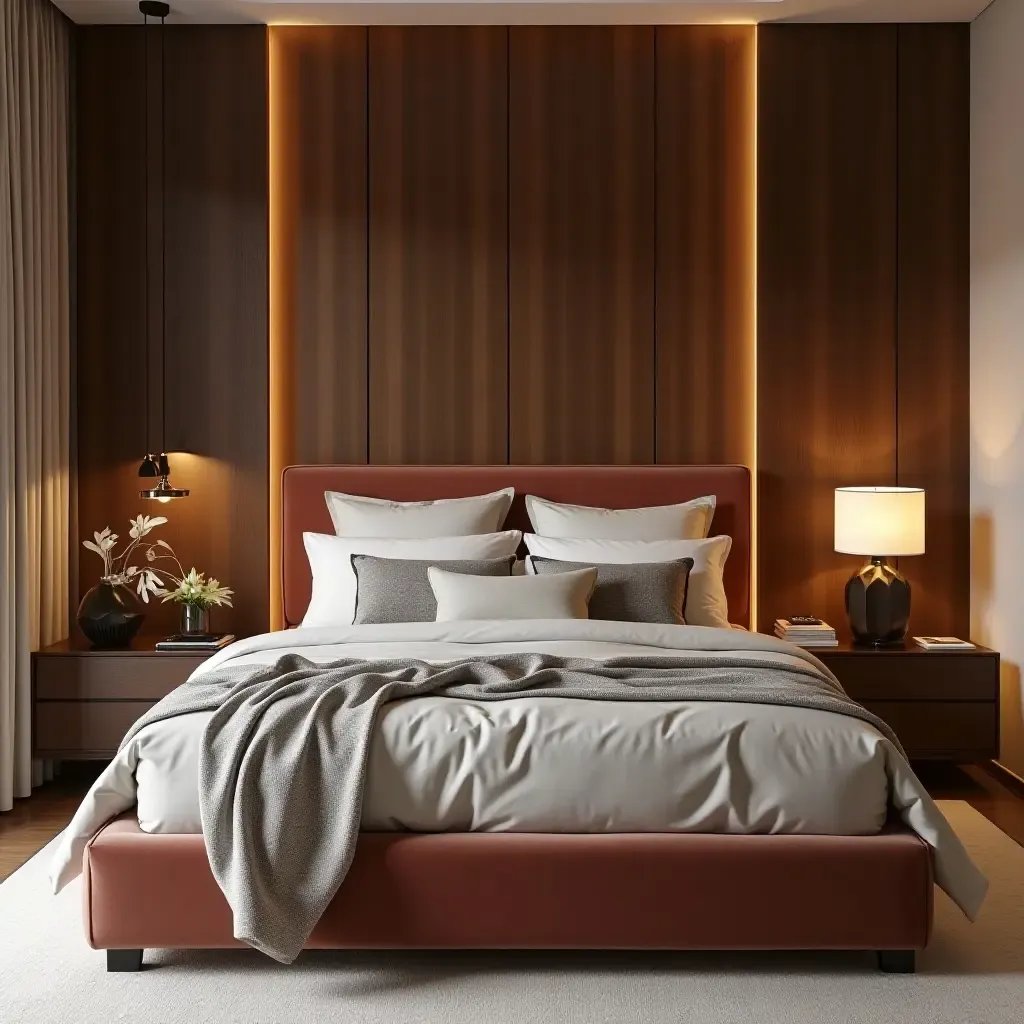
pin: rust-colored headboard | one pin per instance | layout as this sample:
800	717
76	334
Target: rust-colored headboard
304	508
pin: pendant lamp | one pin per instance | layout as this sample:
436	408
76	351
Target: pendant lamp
156	466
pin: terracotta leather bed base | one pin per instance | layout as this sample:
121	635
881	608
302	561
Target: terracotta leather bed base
522	891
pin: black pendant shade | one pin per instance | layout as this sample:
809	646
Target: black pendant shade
157	467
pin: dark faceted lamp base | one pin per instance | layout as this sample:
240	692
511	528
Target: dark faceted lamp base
878	604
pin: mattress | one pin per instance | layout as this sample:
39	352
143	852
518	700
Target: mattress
549	764
546	765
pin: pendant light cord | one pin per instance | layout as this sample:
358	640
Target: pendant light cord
145	170
163	235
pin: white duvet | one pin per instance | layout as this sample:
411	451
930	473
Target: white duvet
547	764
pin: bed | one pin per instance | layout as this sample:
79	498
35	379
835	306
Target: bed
487	881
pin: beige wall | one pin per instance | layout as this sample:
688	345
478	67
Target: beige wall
997	351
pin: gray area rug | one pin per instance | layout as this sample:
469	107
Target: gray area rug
971	974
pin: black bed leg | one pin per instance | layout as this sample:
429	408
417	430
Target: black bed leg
897	961
123	960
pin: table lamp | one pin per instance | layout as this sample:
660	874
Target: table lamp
879	521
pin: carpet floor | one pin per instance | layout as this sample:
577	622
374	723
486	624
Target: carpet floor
971	974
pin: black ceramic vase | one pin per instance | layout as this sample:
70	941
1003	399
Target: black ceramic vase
110	615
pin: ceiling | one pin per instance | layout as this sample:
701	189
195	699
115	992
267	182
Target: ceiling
466	12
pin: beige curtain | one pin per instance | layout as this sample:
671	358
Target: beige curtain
35	70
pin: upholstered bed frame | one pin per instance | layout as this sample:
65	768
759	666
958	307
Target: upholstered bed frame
504	890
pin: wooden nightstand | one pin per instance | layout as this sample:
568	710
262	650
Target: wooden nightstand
84	699
943	705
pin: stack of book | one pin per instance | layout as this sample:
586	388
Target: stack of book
195	642
806	631
943	643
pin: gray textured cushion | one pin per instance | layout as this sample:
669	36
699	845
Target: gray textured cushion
398	589
631	592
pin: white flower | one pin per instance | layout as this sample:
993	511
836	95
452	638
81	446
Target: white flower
143	524
101	543
149	583
104	541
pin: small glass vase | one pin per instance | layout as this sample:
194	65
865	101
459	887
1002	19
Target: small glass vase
194	619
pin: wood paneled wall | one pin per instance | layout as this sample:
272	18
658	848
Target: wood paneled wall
933	315
534	244
862	302
111	263
705	294
317	158
511	268
438	245
213	379
826	298
581	254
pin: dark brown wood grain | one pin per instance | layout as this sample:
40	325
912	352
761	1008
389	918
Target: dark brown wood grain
216	299
706	106
533	243
943	705
581	244
111	285
216	193
826	394
438	316
934	315
318	158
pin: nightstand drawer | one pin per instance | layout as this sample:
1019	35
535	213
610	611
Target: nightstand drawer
954	730
112	677
84	728
910	677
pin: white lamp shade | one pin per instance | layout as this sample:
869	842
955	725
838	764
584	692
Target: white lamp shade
879	520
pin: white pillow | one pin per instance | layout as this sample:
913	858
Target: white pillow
689	521
564	595
706	603
333	601
355	516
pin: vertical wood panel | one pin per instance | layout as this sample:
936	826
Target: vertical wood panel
438	349
581	244
320	236
826	298
934	314
705	240
111	297
216	297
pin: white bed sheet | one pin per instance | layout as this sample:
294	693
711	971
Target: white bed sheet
558	765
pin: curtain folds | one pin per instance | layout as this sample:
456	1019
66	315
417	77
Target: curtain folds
35	401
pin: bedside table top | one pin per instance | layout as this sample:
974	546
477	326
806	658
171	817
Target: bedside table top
144	643
849	649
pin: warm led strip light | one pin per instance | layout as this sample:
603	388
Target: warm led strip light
278	321
754	546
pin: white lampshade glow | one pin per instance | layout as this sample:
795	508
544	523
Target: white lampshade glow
879	521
